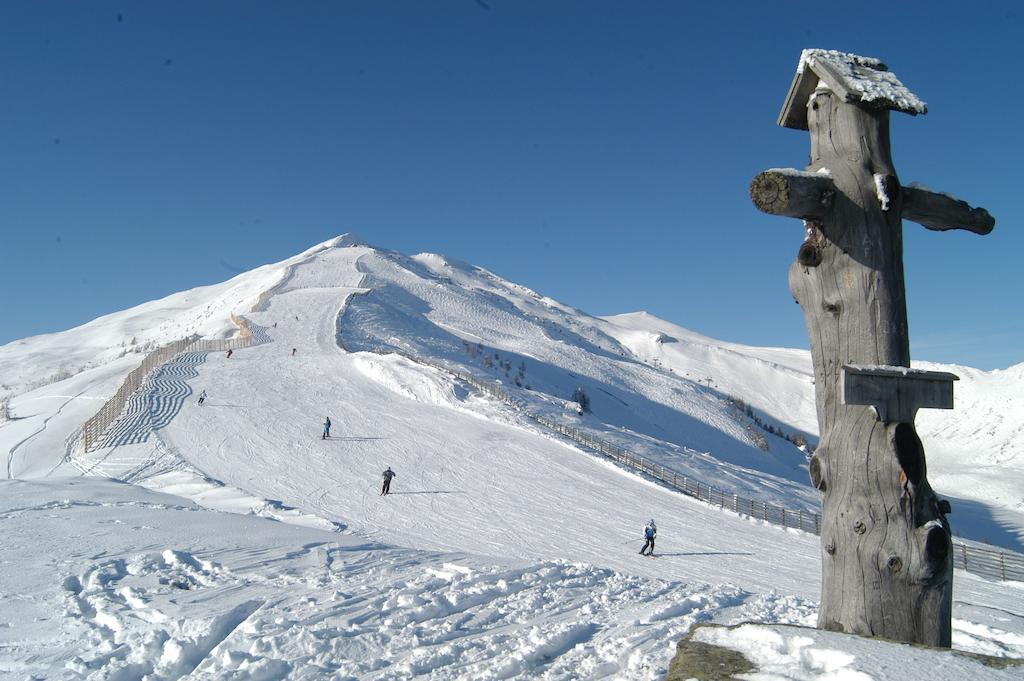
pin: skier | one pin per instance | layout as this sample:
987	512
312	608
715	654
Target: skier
202	397
294	351
388	474
230	352
650	532
327	428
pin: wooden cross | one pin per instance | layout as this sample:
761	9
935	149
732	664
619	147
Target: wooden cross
800	194
886	561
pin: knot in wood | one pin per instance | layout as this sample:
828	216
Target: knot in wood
809	255
895	564
859	527
830	548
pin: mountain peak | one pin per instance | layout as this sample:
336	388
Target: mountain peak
346	240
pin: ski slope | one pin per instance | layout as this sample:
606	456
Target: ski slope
471	474
502	551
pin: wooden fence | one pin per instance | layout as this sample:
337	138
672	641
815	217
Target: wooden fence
989	563
94	429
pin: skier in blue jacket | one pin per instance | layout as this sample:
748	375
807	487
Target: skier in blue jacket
650	532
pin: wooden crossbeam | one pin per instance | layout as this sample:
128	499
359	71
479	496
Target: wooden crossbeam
896	393
942	211
800	194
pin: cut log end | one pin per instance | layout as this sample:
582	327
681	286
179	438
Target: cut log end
770	192
792	193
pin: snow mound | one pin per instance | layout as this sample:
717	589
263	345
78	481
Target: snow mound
809	654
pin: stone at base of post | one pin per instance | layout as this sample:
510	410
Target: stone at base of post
715	652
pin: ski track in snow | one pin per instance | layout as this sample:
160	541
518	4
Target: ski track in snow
351	619
12	452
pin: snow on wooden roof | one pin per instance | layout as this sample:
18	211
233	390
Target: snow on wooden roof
857	79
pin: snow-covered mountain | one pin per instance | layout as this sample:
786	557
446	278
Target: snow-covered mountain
503	552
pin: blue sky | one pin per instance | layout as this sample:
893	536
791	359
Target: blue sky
597	152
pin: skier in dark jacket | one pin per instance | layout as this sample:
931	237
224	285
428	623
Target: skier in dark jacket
327	428
388	474
650	532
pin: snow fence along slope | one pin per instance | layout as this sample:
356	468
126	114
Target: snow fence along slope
158	400
93	355
153	392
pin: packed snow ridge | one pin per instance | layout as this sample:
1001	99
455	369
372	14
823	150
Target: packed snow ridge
250	546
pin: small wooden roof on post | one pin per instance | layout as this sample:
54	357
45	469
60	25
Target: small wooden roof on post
864	80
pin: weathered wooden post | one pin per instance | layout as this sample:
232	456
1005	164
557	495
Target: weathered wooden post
886	564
